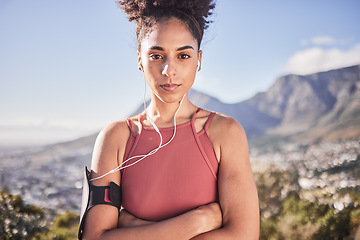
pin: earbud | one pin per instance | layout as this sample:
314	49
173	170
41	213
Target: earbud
140	67
198	66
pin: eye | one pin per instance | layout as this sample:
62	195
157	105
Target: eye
184	56
155	56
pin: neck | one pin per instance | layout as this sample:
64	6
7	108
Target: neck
163	113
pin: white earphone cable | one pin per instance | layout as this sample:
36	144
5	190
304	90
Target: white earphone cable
142	157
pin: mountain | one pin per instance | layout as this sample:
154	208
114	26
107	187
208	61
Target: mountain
312	103
323	105
320	106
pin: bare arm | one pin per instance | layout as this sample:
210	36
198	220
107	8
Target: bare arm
237	190
182	227
102	220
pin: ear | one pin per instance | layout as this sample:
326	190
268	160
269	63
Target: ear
140	66
199	59
139	57
200	55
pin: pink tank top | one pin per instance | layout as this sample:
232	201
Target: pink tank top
179	177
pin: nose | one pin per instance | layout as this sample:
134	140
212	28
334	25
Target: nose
169	69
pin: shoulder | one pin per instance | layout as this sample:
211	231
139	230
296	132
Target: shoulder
111	141
227	137
223	126
114	132
108	151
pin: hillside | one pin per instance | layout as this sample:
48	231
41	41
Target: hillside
321	106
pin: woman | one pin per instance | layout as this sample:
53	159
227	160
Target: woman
185	172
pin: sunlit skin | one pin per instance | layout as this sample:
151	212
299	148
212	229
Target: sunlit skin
169	58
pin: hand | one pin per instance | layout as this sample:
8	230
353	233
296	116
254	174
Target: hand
126	219
211	216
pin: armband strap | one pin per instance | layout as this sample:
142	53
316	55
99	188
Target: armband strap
94	195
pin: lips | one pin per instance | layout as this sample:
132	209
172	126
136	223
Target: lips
170	87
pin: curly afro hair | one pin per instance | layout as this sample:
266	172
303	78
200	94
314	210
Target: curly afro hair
146	13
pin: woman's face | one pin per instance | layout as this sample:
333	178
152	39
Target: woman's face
169	57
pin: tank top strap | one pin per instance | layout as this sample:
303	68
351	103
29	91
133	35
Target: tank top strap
140	119
128	121
194	116
131	124
208	121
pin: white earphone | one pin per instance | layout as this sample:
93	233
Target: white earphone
142	157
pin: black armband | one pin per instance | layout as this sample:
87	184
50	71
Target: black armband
94	195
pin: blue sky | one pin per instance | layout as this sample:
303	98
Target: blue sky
68	68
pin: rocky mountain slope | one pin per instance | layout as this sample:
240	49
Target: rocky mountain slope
320	106
316	107
324	105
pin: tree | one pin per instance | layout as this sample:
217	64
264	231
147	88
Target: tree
18	220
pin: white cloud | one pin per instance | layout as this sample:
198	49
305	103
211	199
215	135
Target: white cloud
320	40
316	59
304	42
37	131
49	123
323	40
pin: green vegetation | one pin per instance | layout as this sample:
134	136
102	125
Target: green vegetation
285	212
285	215
21	221
65	227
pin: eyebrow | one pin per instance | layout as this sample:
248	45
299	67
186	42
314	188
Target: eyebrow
184	47
157	48
179	49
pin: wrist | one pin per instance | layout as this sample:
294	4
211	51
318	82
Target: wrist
198	221
207	217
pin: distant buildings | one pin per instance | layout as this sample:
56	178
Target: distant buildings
53	179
